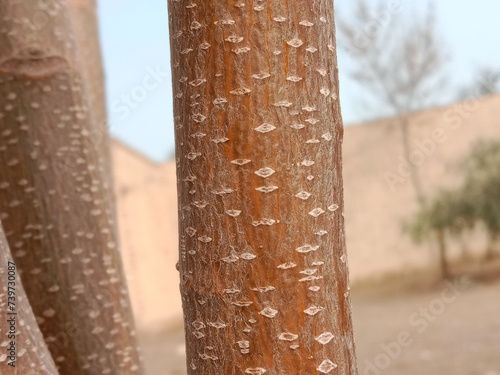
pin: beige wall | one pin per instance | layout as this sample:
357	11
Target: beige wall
146	195
147	220
375	212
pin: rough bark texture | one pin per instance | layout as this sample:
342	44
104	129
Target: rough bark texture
32	354
53	197
83	15
258	131
84	21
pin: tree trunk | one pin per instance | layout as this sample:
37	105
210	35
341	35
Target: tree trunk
83	14
491	250
84	21
258	132
417	185
53	198
466	254
443	260
416	181
86	30
25	341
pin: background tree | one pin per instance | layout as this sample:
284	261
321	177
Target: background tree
258	136
486	82
398	62
53	199
32	356
482	187
454	212
448	214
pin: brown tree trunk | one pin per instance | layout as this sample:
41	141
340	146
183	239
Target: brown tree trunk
25	351
86	30
83	15
258	131
53	198
416	181
443	259
466	254
491	249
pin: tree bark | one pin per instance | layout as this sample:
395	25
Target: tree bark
84	21
53	197
264	278
443	259
31	355
86	30
492	243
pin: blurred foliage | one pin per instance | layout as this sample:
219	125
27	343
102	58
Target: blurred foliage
477	201
449	211
482	185
486	82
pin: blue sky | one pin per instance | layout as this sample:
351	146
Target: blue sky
134	37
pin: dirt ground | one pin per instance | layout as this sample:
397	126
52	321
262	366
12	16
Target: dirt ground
453	328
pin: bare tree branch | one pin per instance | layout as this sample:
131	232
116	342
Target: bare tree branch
399	64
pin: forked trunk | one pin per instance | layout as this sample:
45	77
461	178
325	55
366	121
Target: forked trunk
258	132
25	349
53	200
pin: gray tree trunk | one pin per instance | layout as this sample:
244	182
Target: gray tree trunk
24	349
83	15
84	21
264	278
53	198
